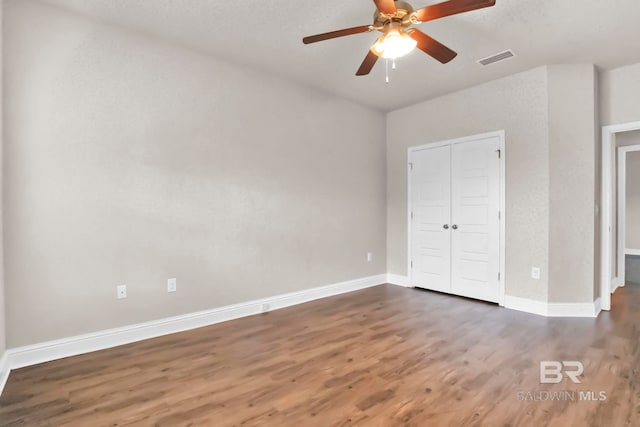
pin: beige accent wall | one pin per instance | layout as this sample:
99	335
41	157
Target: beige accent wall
619	100
130	160
572	182
519	105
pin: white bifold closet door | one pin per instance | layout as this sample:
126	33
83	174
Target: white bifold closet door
455	224
431	211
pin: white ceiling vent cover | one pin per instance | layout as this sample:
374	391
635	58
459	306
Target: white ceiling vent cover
496	58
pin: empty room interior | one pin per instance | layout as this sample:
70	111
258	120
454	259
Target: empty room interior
322	213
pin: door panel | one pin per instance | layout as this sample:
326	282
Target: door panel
431	206
475	206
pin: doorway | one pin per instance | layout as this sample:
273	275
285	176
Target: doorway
628	193
617	143
456	211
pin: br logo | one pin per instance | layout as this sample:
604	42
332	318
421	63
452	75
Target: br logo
551	371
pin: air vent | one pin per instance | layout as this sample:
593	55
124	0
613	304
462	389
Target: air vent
496	58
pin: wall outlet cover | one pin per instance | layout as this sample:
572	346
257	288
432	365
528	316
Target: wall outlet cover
535	273
121	291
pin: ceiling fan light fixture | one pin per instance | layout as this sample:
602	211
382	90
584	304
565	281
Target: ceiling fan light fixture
394	44
394	19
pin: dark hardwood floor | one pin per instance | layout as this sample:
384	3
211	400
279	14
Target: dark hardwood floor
384	356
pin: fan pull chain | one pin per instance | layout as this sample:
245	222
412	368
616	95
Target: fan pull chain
386	69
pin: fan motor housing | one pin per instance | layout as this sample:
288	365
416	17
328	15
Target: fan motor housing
403	15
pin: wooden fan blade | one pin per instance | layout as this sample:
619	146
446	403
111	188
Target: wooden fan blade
432	47
388	7
367	64
451	7
334	34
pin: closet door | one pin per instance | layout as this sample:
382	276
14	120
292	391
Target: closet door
430	226
475	222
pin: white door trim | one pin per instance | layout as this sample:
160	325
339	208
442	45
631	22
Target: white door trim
499	134
606	204
622	209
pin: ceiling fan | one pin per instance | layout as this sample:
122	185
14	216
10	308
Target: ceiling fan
394	20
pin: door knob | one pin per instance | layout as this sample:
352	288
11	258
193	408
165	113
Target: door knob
455	227
446	226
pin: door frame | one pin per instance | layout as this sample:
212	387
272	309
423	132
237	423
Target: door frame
622	210
608	284
500	134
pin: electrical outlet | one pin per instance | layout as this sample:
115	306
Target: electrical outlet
535	273
172	285
369	256
121	291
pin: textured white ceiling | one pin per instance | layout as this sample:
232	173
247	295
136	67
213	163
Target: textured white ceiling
267	34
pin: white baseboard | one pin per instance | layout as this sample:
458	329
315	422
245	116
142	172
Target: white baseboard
4	370
526	305
597	304
51	350
635	252
586	309
616	283
396	279
552	309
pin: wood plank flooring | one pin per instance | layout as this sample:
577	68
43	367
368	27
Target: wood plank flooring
384	356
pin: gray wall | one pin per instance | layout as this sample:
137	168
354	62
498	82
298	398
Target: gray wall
517	104
130	160
2	291
619	100
572	178
549	115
